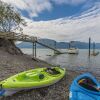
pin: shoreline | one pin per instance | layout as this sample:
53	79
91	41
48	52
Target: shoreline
13	64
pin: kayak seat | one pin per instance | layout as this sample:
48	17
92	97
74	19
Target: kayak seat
52	71
35	76
88	84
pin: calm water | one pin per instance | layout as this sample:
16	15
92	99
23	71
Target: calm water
73	62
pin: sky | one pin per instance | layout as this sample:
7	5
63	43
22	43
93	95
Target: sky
61	20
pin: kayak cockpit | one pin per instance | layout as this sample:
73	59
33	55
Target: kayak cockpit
85	87
28	77
89	84
52	71
37	75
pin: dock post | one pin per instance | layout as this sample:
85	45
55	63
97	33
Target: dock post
55	47
93	47
34	49
68	45
89	46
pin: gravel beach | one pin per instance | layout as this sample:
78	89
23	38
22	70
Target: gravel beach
12	64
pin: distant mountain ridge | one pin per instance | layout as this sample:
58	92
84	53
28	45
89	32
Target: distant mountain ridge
59	45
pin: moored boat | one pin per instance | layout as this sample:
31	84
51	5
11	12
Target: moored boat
72	48
72	51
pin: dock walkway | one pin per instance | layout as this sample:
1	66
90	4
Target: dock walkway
25	38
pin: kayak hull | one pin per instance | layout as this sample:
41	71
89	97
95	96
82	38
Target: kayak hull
79	93
9	92
35	78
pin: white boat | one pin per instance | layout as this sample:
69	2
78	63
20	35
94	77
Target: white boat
73	51
72	48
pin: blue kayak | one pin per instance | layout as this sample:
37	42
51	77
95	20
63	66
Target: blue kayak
85	87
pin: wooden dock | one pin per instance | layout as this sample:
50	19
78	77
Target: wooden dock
25	38
17	37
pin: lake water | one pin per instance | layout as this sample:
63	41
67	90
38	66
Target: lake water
70	61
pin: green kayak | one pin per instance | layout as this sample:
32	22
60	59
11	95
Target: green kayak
34	78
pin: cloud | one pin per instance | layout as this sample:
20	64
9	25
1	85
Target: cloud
78	28
17	3
33	7
71	2
37	6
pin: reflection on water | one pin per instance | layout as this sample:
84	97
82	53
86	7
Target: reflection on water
73	62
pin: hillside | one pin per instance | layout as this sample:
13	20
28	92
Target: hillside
60	45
